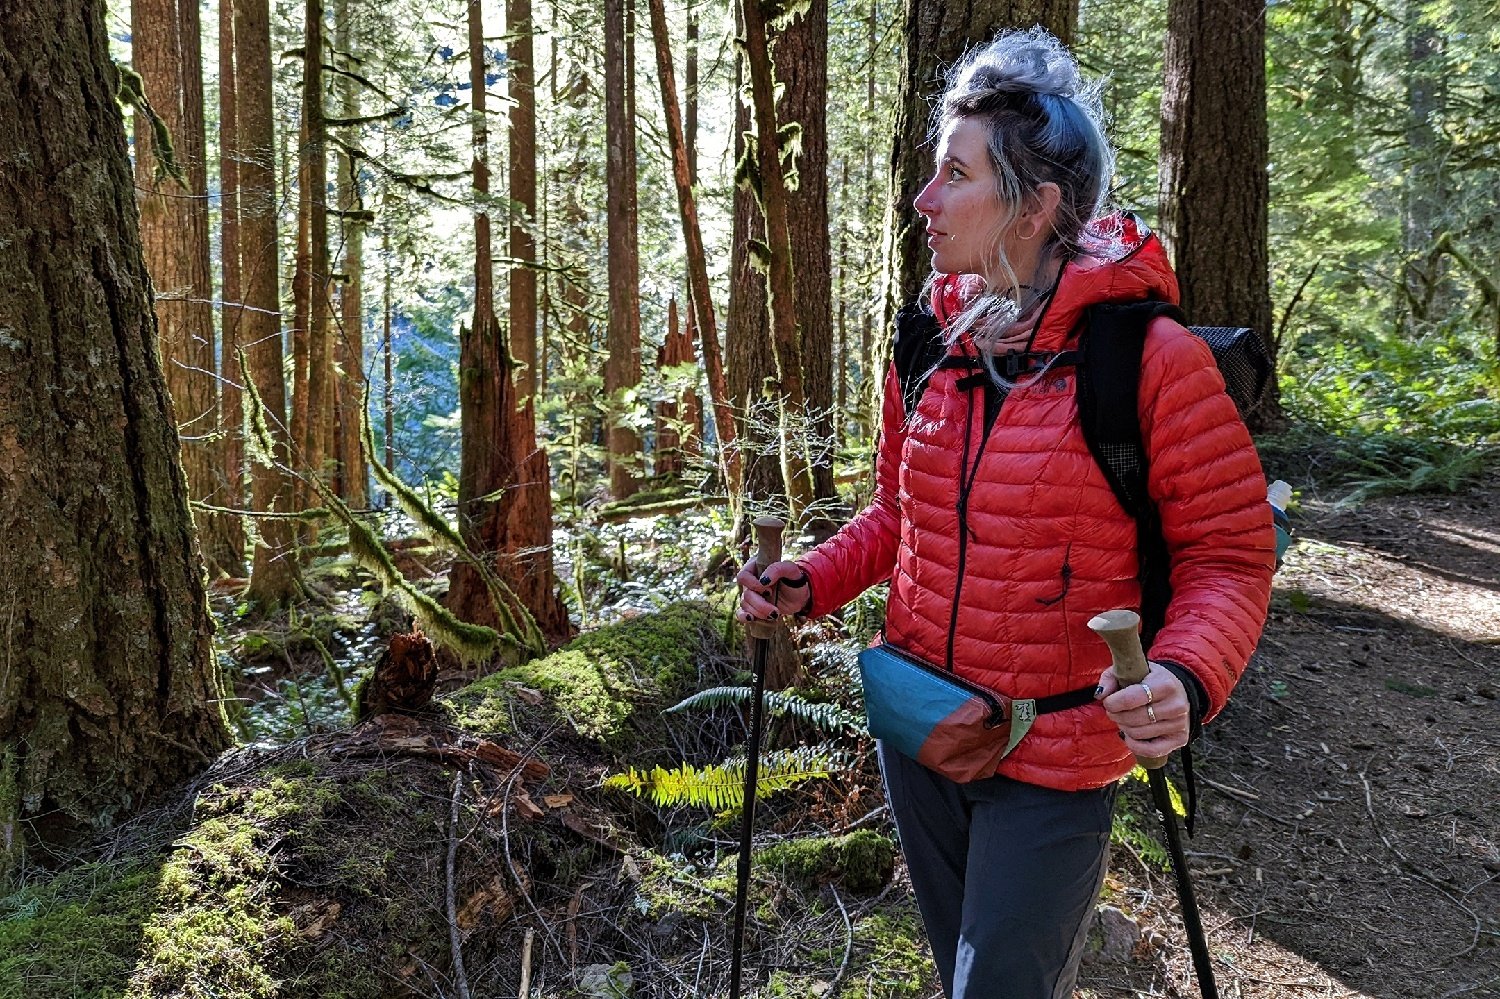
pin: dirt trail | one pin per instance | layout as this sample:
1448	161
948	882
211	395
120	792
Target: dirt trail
1349	838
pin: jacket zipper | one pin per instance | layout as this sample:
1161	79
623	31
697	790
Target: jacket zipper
966	477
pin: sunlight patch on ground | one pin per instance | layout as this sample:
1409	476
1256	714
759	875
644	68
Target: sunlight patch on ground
1350	573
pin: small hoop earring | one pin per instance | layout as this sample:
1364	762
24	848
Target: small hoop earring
952	236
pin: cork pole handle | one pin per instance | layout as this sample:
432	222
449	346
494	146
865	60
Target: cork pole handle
1120	630
767	552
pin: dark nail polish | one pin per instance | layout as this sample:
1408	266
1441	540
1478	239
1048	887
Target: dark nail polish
1099	690
1122	735
773	615
765	580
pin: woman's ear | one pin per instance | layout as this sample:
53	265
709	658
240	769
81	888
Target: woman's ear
1040	211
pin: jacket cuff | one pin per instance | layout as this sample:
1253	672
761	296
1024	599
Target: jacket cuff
1197	696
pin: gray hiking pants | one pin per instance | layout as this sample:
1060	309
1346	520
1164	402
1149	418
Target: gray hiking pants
1005	875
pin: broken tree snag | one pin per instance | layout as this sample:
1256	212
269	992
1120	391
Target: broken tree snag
403	679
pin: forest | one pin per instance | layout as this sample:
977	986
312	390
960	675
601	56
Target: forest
388	390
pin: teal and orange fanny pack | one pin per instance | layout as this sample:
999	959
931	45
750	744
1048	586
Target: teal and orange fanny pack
948	724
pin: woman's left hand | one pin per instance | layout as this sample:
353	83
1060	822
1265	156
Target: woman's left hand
1153	716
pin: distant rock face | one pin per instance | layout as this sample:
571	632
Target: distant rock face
1112	937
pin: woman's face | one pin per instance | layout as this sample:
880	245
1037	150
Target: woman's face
965	216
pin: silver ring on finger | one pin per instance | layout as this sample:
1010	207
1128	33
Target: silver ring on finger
1149	695
1151	713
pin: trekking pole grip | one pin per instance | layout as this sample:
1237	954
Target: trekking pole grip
768	552
1120	630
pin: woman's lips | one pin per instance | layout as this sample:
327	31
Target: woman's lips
934	237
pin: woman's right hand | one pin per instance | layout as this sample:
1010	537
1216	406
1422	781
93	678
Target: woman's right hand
780	591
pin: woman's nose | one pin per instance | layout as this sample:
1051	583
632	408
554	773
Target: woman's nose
925	203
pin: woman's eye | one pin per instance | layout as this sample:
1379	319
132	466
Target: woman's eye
954	173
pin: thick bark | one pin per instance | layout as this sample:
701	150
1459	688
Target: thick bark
231	292
316	412
937	33
349	343
622	368
174	234
521	74
801	54
700	292
110	692
275	578
504	486
1214	148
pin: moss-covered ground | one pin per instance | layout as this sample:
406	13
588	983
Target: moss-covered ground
321	869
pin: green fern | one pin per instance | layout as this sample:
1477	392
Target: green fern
722	786
1134	832
825	716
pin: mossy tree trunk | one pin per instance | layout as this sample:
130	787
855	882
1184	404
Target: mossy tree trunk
109	691
779	336
275	577
701	306
349	344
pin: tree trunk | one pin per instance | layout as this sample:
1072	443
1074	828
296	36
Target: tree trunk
701	293
1214	191
275	578
316	431
1424	195
764	169
937	33
350	341
622	368
801	53
690	94
504	485
519	31
174	235
231	405
110	692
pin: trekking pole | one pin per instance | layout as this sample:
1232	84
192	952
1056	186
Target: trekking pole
768	551
1120	629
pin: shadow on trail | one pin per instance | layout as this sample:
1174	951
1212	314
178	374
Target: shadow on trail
1351	804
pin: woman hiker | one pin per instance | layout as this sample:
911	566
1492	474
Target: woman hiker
1000	536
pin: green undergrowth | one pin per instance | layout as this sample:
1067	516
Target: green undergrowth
609	684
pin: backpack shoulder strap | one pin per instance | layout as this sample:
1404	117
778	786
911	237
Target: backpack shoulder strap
918	349
1109	380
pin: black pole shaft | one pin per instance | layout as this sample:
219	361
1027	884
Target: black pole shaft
747	818
1197	943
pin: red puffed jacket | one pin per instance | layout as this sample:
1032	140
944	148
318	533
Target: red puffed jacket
1001	542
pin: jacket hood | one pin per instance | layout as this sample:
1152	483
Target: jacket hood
1122	261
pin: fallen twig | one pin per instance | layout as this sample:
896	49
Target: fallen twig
455	937
1233	792
525	989
838	977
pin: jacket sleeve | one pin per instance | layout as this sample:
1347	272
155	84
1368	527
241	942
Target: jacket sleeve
863	552
1206	480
